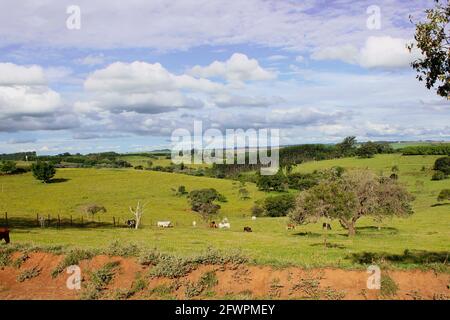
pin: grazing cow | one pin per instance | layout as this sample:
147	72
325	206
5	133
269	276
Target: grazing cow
247	229
253	218
4	234
290	226
131	223
194	223
224	225
326	226
213	224
165	224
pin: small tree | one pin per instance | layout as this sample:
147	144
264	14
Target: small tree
244	194
444	195
93	209
137	212
276	182
43	171
202	201
367	150
355	194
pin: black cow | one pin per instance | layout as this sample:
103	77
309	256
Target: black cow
131	223
326	226
4	234
247	229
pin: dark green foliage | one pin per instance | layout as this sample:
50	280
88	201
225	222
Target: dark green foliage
139	167
43	171
302	181
103	276
19	156
367	150
279	206
444	195
442	164
181	191
388	286
7	167
202	201
432	149
276	182
244	194
439	175
433	39
347	147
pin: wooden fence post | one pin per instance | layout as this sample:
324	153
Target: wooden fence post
71	220
114	221
6	218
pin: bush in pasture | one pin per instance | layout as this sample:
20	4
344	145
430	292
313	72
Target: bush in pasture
439	175
367	150
139	167
279	206
181	191
355	194
257	209
243	194
7	167
444	195
276	182
302	181
43	171
442	164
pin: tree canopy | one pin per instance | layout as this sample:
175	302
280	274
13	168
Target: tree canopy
349	197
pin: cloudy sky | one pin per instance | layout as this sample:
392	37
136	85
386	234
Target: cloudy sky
136	70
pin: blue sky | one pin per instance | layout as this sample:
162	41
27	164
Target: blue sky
135	71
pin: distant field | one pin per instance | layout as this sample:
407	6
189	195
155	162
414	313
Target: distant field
399	145
269	243
160	161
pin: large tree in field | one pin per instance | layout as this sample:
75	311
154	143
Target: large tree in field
353	195
433	39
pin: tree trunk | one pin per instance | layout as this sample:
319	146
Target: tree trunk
351	229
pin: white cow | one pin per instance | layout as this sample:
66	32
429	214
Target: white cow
224	225
253	218
164	224
194	223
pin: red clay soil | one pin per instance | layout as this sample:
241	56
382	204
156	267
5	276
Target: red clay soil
241	282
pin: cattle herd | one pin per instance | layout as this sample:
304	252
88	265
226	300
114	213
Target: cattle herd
4	232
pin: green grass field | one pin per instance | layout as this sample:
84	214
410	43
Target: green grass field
269	243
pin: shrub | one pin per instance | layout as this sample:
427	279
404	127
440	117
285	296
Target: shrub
388	286
139	167
29	274
302	181
257	210
439	175
150	257
202	201
103	276
442	164
279	206
444	195
43	171
171	267
8	167
276	182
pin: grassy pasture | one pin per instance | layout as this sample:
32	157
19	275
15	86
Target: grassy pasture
428	230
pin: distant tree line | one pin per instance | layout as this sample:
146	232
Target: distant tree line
431	149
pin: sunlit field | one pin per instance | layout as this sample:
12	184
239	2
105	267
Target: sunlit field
270	243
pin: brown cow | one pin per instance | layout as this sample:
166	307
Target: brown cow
290	226
4	234
247	229
212	224
326	226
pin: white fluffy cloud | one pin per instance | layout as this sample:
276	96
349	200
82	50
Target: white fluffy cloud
143	87
377	52
237	68
23	91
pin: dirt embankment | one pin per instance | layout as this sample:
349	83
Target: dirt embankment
216	282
